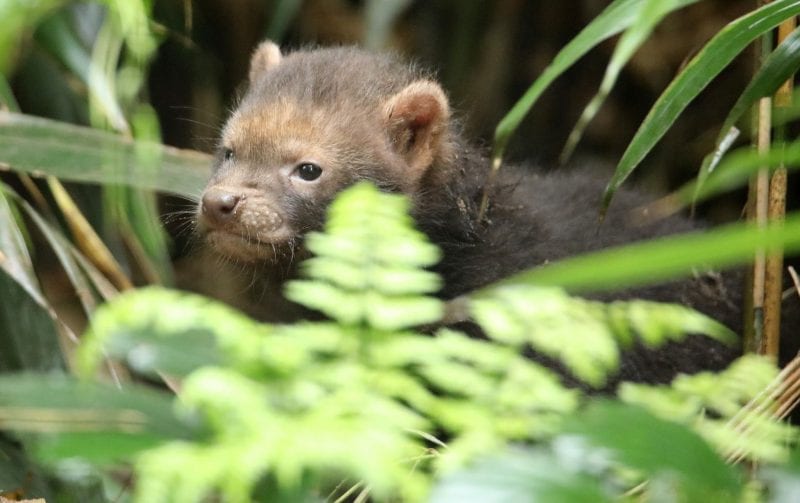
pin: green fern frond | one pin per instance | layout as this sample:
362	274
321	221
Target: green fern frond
585	335
368	268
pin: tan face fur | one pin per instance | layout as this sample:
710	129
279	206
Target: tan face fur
302	133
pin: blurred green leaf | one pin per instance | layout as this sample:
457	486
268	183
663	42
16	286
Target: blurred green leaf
51	403
57	37
649	14
96	447
520	475
716	55
662	450
662	259
44	147
135	328
616	17
15	19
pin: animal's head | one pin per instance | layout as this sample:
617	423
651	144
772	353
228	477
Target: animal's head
310	124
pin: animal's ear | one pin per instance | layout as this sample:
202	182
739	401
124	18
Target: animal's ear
267	55
416	120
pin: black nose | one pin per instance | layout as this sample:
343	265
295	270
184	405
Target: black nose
219	205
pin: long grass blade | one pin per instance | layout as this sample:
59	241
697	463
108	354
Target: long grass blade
662	259
651	12
706	65
44	147
778	67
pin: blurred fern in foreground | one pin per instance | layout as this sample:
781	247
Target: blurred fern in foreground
366	402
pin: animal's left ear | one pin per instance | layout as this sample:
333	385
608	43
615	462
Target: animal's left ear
267	55
416	120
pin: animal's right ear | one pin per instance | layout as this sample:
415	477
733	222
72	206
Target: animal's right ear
267	55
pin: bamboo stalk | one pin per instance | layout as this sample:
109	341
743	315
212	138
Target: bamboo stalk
757	209
775	213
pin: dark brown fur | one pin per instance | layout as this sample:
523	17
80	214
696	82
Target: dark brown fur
364	116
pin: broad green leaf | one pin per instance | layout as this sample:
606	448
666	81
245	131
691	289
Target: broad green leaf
660	449
707	64
650	13
44	147
520	475
615	18
781	64
96	447
47	403
662	259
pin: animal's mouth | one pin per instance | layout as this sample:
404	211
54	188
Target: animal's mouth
244	248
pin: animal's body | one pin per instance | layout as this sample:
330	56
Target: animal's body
314	122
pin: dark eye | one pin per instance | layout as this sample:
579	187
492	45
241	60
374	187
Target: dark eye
309	171
227	154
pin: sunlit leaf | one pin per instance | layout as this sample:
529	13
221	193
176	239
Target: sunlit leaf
543	318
